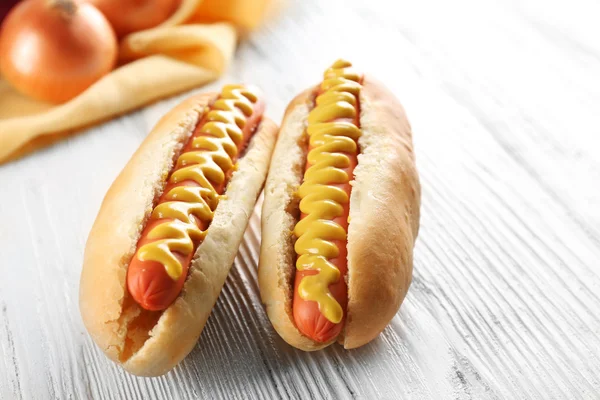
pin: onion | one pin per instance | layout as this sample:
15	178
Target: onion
53	50
128	16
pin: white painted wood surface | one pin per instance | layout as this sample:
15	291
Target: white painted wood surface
504	99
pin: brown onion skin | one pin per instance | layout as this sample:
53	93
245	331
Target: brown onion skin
5	6
127	16
52	50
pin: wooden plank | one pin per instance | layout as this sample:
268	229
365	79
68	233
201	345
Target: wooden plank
503	99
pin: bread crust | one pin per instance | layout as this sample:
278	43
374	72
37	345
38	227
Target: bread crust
384	219
106	308
384	216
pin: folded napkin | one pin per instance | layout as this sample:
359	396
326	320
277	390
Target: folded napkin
188	50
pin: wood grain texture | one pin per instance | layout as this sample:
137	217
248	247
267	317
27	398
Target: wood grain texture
505	302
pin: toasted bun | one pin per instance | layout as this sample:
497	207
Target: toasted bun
384	219
151	343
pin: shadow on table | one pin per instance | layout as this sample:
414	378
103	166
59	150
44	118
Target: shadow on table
240	350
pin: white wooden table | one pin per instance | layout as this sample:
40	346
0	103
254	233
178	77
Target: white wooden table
504	99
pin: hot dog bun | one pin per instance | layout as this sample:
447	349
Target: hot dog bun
384	218
155	344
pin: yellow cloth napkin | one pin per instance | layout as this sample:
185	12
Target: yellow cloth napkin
190	49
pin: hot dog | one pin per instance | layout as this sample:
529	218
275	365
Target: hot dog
169	228
340	215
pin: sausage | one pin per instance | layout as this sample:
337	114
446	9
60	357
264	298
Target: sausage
338	89
307	316
149	280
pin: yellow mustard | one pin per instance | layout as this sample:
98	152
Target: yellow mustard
319	200
210	159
